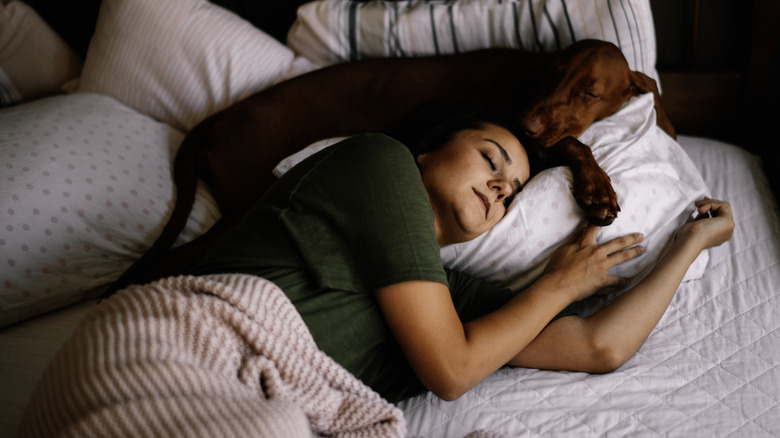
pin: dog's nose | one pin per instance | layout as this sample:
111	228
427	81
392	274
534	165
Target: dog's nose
532	126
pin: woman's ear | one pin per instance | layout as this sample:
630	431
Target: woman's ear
421	158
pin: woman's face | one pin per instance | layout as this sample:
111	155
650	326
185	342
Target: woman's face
471	181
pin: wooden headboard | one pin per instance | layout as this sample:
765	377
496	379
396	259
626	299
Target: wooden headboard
716	59
719	62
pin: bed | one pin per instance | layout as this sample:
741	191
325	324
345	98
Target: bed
86	188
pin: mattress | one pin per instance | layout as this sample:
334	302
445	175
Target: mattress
710	368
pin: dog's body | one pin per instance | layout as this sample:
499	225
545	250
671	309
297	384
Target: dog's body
547	98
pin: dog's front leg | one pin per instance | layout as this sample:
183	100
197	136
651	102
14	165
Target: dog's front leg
592	186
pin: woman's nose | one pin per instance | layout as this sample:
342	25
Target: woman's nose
503	188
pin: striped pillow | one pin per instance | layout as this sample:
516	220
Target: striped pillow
333	31
180	61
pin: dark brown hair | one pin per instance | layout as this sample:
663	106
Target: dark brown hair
434	124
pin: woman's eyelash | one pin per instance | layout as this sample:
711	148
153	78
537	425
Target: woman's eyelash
489	160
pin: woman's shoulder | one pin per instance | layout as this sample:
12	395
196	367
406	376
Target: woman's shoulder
378	145
373	156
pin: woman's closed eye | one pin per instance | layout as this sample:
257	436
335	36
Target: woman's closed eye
489	160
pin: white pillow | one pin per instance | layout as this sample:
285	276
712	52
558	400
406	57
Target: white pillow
86	188
656	183
655	180
34	60
180	61
332	31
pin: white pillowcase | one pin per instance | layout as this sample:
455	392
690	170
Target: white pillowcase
85	189
656	183
180	61
332	31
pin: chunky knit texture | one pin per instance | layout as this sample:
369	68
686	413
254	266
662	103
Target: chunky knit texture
222	355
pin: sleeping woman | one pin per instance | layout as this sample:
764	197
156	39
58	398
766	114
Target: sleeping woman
352	236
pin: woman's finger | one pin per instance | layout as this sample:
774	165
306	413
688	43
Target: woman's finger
720	208
624	255
706	204
589	233
709	208
622	242
582	234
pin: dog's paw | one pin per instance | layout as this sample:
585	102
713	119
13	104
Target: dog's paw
591	186
598	214
597	199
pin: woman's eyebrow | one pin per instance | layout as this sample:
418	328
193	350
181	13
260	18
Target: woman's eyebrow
503	151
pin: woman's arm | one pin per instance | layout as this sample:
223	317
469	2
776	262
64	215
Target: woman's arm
450	357
608	338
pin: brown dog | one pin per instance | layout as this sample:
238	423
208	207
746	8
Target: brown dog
547	99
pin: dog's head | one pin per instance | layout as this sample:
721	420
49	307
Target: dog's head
577	86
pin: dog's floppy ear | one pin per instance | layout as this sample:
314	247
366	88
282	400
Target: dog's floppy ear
641	83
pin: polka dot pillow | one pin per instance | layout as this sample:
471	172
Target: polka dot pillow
86	186
656	183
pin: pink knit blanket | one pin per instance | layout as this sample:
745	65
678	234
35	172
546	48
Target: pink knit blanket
223	355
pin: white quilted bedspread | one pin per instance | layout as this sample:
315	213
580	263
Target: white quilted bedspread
710	368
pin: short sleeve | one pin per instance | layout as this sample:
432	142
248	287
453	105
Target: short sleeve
361	218
355	216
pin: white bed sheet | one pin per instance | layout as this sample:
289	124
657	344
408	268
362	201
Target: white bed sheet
710	368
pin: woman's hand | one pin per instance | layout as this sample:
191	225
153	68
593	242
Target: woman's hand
606	339
581	266
714	226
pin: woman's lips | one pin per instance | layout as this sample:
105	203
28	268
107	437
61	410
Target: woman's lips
484	200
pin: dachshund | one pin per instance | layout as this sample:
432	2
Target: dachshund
547	99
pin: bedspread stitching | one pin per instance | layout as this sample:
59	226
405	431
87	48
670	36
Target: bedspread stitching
716	329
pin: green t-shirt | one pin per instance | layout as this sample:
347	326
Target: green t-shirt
350	219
